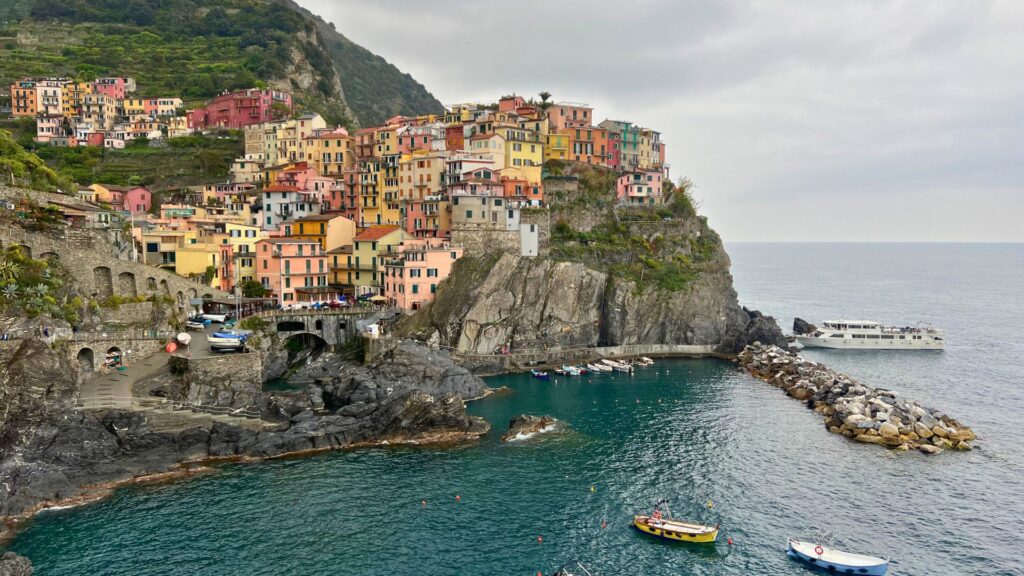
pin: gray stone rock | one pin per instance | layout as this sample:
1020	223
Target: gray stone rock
13	565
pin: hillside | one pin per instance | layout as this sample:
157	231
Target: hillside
198	48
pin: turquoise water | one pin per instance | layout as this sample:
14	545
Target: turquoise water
686	430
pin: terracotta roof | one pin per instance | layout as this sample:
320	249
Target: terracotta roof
288	241
341	250
376	232
324	217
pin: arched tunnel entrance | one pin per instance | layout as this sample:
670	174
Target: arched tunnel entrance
302	348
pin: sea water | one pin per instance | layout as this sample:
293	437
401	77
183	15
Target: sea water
720	446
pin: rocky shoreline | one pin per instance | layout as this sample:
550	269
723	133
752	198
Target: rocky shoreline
854	410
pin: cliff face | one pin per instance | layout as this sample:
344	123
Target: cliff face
607	276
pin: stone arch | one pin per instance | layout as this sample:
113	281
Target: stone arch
303	346
151	285
181	299
319	325
165	288
290	326
53	256
126	284
86	361
26	250
114	357
103	281
207	296
192	293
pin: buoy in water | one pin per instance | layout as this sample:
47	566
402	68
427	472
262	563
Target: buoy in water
593	488
424	503
604	523
540	539
728	541
458	498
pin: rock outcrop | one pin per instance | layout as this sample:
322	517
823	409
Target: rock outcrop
13	565
801	326
860	412
51	451
526	425
539	303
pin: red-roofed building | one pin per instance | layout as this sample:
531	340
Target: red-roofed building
239	109
293	270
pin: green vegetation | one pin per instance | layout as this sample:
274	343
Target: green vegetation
35	287
253	289
19	167
254	323
199	48
177	161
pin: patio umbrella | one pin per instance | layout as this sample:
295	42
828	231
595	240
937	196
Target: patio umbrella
378	298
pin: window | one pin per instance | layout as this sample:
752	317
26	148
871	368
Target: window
415	288
469	214
433	288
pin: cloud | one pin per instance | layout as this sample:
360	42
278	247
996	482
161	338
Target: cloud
871	120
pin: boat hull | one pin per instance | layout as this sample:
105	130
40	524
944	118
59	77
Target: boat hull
836	562
869	343
678	531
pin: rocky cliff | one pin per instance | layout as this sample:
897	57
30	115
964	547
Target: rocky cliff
50	452
608	276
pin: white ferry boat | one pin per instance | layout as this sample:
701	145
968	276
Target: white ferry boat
866	335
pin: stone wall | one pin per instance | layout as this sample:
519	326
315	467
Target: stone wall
229	380
541	218
482	242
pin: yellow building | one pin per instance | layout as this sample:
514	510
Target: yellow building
74	97
390	205
134	108
331	231
557	147
363	269
243	238
194	261
330	152
370	194
387	142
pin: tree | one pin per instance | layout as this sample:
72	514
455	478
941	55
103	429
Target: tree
253	289
545	101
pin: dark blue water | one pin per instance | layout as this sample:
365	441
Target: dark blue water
687	430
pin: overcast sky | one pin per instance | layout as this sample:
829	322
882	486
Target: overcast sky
803	120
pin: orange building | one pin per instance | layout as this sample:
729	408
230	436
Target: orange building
24	99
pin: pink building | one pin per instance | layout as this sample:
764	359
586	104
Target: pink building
641	187
293	270
136	200
239	109
570	115
412	276
117	88
511	103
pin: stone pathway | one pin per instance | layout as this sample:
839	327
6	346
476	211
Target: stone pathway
114	389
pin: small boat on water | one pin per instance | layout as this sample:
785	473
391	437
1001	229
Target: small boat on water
571	370
577	570
664	526
644	361
598	368
540	375
836	561
617	366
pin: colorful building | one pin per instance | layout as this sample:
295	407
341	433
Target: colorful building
570	115
640	187
412	274
330	230
239	109
363	270
134	199
293	270
24	102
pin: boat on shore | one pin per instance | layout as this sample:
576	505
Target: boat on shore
644	361
571	370
598	368
664	526
227	340
868	335
540	375
819	555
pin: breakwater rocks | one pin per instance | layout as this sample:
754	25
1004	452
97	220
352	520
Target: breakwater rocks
13	565
862	413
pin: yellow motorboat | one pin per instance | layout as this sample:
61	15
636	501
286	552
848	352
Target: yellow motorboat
664	526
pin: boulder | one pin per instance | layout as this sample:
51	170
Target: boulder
888	430
964	445
940	431
869	439
526	424
921	430
928	420
929	449
801	326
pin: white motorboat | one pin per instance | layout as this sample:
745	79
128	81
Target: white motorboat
868	335
617	366
597	368
836	561
644	361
